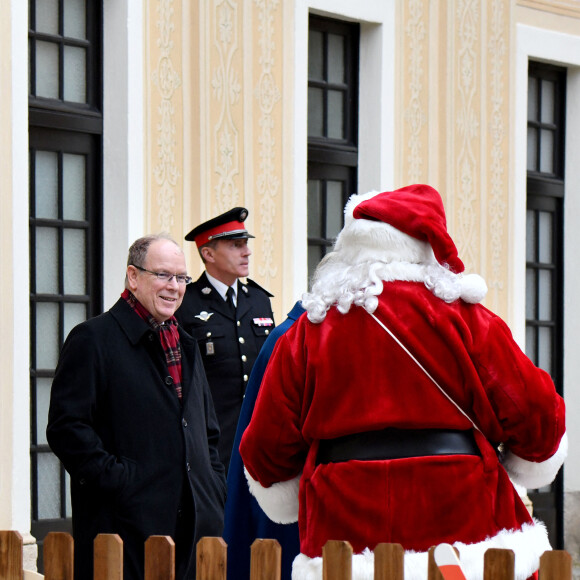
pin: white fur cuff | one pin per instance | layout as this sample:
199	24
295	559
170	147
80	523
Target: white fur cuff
279	501
533	475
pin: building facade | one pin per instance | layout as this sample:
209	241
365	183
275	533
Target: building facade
128	117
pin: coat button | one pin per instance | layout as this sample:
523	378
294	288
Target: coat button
188	466
244	358
184	422
241	339
266	331
168	380
238	323
245	378
208	334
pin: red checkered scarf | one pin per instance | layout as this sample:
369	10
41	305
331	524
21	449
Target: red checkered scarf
169	336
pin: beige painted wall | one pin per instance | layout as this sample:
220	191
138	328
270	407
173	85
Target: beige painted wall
215	102
454	108
219	96
217	92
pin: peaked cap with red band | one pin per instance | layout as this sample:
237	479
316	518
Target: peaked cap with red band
416	210
227	226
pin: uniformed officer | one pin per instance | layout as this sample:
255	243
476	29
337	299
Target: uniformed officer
229	330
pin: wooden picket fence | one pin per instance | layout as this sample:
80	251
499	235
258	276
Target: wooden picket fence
264	563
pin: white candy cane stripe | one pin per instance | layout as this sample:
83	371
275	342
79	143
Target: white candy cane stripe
448	563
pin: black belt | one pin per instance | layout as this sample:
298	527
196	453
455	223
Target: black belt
396	444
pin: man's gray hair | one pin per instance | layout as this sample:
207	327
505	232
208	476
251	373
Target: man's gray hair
140	247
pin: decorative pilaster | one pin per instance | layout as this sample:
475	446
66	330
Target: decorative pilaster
167	80
268	96
414	112
498	67
226	90
467	130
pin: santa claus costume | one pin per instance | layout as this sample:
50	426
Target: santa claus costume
380	412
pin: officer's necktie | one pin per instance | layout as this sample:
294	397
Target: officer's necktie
230	301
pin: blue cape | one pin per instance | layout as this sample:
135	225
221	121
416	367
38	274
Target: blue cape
244	519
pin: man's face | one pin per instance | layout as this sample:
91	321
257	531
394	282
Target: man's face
230	259
161	299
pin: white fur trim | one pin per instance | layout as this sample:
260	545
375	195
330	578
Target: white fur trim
373	241
473	288
531	474
353	201
279	501
528	545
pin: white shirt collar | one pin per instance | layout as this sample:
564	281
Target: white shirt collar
222	288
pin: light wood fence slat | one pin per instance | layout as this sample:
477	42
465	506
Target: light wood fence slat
389	562
266	560
11	552
498	564
556	565
433	572
58	556
337	560
159	558
211	559
108	557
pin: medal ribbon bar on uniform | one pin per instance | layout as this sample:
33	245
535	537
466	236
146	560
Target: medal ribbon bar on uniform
263	321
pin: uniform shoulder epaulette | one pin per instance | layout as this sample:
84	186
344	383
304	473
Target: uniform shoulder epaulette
253	284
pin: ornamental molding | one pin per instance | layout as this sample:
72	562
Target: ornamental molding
167	81
226	91
268	96
563	7
467	124
498	186
414	115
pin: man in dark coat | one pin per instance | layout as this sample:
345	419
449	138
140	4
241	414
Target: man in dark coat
132	420
229	331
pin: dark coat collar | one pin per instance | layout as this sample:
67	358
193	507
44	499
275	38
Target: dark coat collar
131	323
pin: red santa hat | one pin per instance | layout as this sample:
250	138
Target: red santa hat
416	210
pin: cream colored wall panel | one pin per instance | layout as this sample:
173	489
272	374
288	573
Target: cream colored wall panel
465	115
497	160
454	123
225	110
193	37
164	116
267	141
233	132
413	153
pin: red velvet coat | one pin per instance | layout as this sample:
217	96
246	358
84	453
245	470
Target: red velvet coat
347	375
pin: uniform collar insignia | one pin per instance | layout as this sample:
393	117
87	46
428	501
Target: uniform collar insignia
205	290
245	289
204	316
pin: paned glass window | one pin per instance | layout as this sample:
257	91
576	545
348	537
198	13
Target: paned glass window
65	136
544	252
332	129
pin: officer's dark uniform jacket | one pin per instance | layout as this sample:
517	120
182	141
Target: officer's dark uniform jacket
228	346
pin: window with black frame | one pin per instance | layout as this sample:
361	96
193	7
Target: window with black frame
333	49
544	252
65	229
